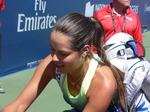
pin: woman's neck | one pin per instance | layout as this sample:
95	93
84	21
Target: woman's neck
81	70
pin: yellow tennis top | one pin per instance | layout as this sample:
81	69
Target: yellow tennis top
80	100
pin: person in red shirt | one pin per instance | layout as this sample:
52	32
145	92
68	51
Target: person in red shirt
118	17
2	6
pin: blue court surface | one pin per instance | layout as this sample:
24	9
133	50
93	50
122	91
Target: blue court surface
51	99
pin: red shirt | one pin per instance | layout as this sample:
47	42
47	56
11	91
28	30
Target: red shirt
132	24
2	6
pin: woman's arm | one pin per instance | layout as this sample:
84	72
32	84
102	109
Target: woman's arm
101	91
42	75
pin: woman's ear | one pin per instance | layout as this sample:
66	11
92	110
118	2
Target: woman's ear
86	49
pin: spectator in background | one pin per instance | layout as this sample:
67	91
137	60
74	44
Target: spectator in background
2	7
118	17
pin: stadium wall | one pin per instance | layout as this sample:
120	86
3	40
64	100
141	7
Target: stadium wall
26	25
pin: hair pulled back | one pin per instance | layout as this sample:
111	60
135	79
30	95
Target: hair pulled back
89	31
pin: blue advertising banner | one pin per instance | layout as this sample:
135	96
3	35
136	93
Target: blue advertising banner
26	25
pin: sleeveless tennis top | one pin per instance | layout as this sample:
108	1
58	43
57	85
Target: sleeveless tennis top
78	101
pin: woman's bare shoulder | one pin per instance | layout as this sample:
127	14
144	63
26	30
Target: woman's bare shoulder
104	79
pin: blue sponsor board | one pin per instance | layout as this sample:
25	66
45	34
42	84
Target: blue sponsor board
26	26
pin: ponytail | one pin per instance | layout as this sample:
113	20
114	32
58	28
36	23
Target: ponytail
119	76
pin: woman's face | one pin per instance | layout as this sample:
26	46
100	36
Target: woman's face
67	59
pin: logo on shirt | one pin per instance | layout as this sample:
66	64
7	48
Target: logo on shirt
130	19
107	16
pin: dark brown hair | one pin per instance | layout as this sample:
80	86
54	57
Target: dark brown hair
87	31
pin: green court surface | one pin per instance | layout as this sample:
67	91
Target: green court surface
51	99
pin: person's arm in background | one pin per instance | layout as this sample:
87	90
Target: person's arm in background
138	36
